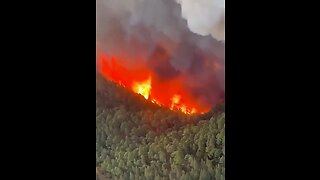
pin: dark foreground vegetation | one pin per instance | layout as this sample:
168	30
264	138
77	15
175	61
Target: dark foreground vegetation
136	139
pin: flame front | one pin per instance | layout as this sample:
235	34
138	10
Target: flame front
176	104
175	100
141	80
143	88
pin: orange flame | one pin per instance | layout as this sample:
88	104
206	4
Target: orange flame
143	88
141	80
176	104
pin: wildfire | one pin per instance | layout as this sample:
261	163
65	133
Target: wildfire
170	94
143	88
175	100
176	104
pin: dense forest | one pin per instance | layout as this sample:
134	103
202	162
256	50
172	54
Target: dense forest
136	139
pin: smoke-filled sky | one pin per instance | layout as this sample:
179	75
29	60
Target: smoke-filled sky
171	37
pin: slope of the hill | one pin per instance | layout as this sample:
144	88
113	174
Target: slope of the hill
136	139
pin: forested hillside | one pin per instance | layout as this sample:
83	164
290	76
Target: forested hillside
136	139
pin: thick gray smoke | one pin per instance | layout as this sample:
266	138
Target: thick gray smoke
182	37
205	17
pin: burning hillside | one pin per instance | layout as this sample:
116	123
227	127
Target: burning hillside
156	59
147	47
142	81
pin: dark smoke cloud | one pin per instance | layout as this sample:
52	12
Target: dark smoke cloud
156	31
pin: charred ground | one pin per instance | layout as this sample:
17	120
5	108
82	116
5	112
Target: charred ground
136	139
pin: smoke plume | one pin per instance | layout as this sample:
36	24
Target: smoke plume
204	17
170	37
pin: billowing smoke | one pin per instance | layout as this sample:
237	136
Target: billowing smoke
171	38
204	17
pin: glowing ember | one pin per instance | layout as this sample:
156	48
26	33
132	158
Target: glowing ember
155	102
141	80
143	88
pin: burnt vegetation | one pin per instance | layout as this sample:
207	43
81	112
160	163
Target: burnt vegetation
136	139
